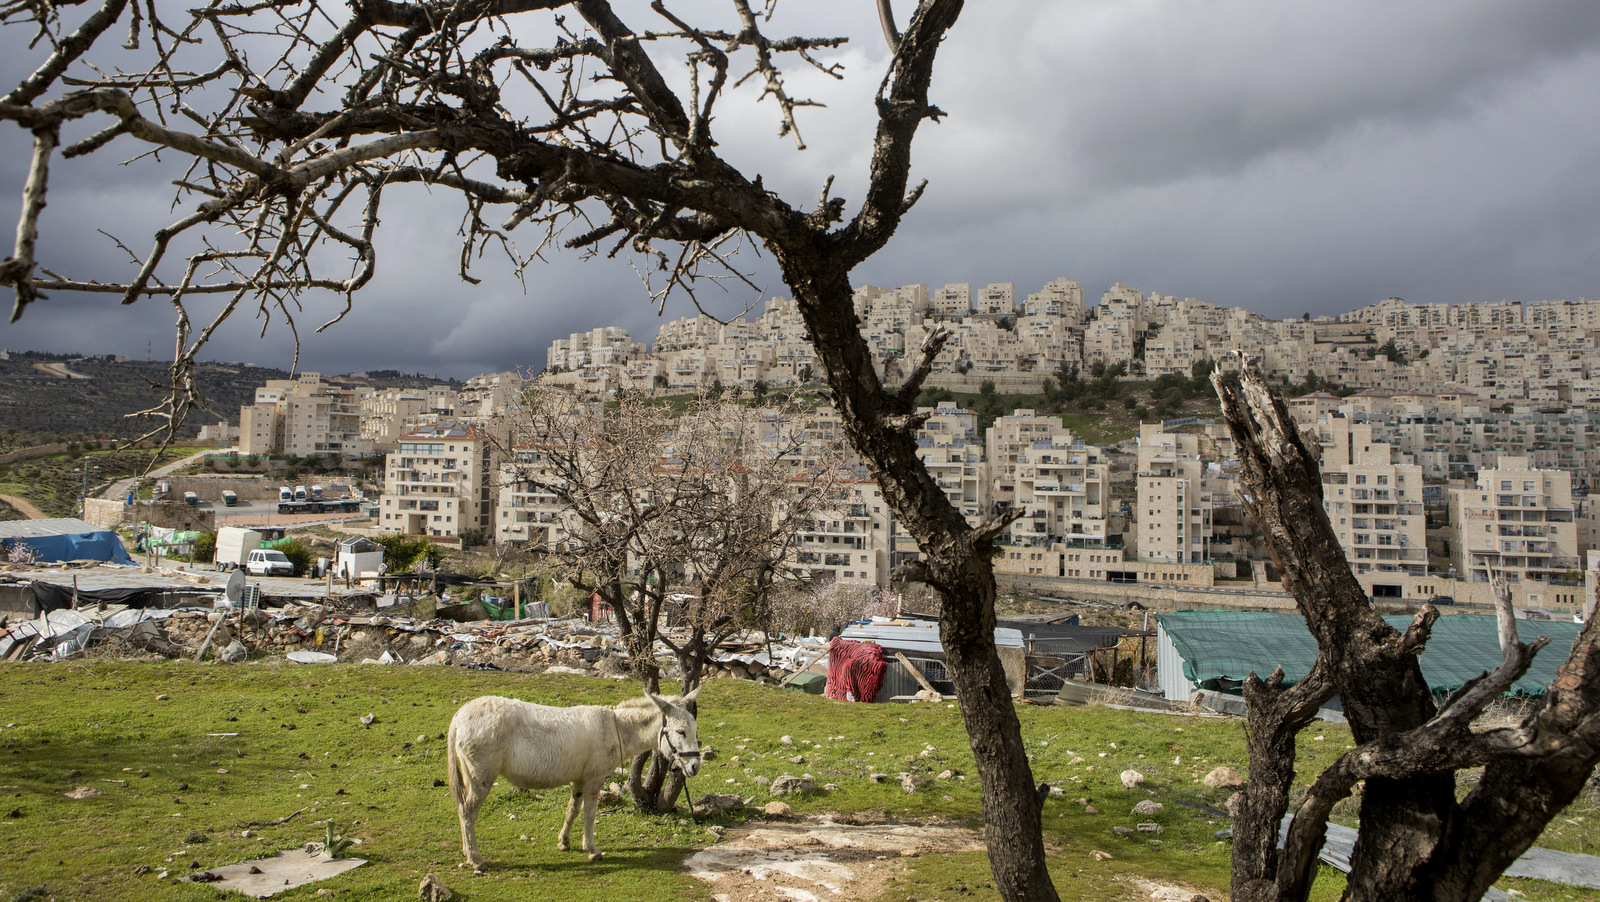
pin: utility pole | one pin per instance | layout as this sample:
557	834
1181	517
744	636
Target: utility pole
85	469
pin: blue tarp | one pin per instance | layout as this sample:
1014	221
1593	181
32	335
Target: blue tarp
73	540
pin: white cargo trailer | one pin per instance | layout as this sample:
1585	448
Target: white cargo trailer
234	545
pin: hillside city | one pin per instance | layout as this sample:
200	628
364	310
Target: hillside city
1457	438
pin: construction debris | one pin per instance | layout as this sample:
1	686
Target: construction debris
355	631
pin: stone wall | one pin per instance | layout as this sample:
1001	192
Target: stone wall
1270	596
105	513
170	515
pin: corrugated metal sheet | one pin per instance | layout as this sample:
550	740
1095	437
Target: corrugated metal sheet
1169	669
31	529
916	636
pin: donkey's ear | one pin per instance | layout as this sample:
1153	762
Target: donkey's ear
661	703
692	693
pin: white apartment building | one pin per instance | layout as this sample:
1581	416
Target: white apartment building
954	301
1059	298
850	541
389	413
1065	487
1038	465
1517	519
1374	503
440	482
1174	500
952	452
527	511
303	417
485	397
996	299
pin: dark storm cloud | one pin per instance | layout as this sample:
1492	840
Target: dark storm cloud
1281	157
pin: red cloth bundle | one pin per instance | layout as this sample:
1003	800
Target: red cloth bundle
855	670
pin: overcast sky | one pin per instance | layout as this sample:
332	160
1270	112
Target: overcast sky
1282	157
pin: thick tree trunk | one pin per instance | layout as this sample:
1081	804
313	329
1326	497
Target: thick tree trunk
957	561
1416	841
1275	716
1373	667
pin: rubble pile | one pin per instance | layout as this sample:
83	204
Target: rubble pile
367	637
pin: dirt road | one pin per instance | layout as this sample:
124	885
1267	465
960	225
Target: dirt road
26	506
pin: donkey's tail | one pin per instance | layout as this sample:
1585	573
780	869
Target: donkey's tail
452	767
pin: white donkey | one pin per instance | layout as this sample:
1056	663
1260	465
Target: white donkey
539	747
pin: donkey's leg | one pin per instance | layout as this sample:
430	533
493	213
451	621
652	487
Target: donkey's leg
591	801
564	837
474	790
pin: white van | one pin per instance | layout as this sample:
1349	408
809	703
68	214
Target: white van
268	562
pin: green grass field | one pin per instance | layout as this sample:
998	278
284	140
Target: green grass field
186	756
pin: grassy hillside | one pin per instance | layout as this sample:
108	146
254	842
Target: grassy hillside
53	483
36	398
186	756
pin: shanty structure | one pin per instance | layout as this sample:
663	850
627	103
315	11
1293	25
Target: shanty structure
918	642
64	539
1218	649
1059	648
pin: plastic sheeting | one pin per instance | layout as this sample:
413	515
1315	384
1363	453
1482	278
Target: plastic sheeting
68	544
51	597
1221	648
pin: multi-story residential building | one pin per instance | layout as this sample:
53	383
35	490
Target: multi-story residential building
1065	487
952	451
996	299
953	301
1174	504
440	482
390	413
1037	464
303	417
850	540
1373	502
528	511
485	397
1516	519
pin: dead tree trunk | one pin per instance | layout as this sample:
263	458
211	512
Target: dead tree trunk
1416	842
957	560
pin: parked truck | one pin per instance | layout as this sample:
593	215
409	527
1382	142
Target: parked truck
316	493
234	545
300	493
285	493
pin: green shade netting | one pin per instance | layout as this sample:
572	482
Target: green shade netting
1229	645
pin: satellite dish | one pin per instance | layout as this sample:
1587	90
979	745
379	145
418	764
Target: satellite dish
235	590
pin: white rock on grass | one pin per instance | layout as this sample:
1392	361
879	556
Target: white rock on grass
790	785
1132	778
1224	778
1148	807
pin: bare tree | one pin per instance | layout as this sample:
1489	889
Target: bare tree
579	476
1417	840
293	119
657	513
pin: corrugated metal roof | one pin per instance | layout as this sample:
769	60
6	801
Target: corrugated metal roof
1229	645
64	526
916	635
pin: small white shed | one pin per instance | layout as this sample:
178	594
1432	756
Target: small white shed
359	557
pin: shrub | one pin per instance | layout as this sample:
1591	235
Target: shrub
401	553
205	548
298	553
